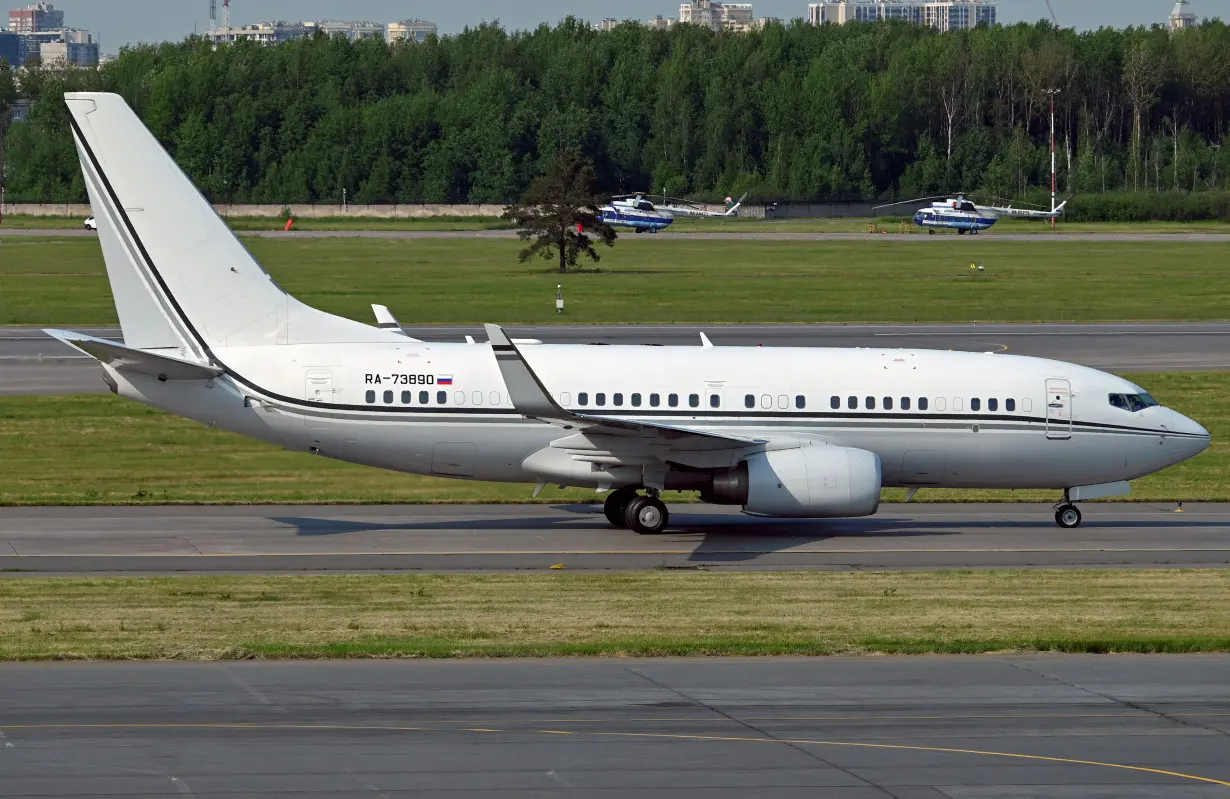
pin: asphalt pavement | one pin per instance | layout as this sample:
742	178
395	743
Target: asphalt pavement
502	538
1098	727
33	363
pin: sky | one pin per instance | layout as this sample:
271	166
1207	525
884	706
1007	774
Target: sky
119	22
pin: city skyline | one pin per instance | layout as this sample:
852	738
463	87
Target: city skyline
120	22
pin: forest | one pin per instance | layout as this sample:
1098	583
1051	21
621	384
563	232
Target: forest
788	113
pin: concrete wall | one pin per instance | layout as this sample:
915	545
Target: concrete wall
297	211
334	211
31	209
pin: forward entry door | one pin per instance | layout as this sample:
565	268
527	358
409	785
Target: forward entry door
1058	408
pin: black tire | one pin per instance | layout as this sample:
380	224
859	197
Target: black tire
1068	516
646	515
616	505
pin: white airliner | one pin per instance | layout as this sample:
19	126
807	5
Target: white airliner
789	432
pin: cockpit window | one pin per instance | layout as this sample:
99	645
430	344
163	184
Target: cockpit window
1132	402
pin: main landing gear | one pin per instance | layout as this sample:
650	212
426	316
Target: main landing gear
627	509
1067	515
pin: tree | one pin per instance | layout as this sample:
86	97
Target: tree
560	212
8	94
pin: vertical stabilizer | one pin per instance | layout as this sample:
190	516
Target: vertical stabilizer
179	275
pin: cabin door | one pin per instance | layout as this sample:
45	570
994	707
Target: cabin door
1058	409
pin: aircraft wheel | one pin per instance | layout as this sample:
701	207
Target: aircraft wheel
616	505
646	515
1068	516
930	231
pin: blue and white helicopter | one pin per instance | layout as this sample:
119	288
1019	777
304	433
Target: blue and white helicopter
636	211
965	216
958	214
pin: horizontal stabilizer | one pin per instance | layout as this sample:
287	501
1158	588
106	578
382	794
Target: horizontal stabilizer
127	359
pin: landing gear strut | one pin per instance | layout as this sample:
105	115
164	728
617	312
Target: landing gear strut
1067	515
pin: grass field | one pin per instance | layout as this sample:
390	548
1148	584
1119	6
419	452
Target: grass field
104	450
657	613
643	280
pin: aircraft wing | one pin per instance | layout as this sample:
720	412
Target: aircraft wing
531	399
127	359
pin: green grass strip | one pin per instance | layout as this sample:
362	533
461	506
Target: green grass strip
642	614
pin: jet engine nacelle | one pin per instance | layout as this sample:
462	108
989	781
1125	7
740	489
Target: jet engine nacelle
807	483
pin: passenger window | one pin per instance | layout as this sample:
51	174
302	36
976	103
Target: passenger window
459	397
655	400
715	400
495	398
852	403
582	398
673	400
941	404
766	401
636	400
441	397
905	403
800	402
888	403
477	398
1010	405
405	398
783	402
370	396
388	398
870	403
834	402
958	403
424	398
992	405
1027	405
565	398
749	401
922	403
975	404
694	400
617	399
600	399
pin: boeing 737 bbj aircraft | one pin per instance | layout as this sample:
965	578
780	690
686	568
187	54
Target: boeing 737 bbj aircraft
789	432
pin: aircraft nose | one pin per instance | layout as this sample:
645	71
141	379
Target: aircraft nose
1190	435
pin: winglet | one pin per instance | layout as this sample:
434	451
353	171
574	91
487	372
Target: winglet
529	396
386	321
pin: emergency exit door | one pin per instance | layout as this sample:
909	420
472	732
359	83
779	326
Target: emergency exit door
1058	409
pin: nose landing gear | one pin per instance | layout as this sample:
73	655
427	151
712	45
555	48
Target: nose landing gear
1067	515
624	508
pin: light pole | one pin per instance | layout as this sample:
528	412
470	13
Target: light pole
1052	93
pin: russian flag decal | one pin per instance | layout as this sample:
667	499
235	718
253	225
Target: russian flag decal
444	380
